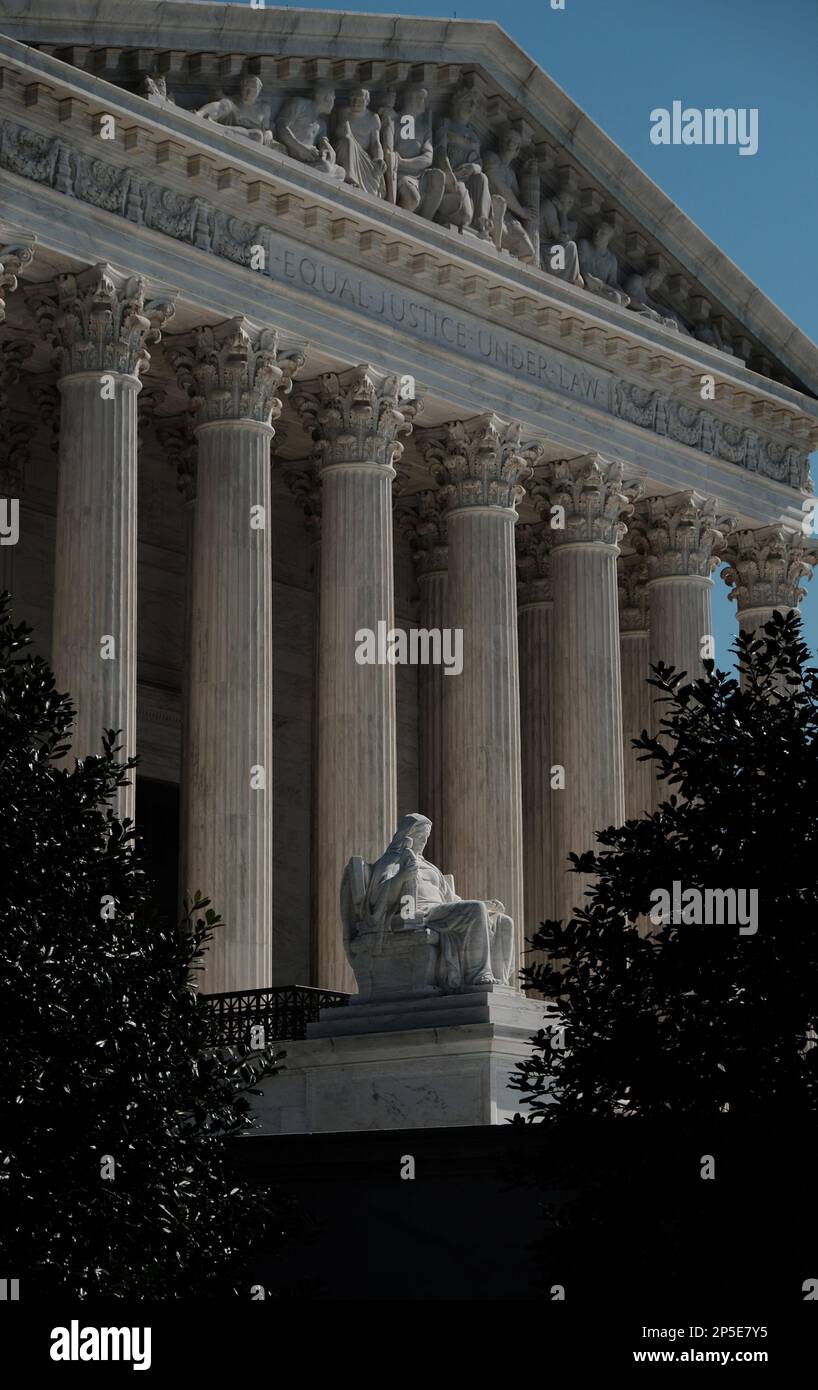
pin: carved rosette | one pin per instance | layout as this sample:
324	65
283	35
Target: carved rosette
767	566
425	530
533	543
679	535
16	252
480	462
633	594
594	497
234	370
356	416
179	444
101	320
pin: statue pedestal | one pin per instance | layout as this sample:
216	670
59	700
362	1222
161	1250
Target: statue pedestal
417	1063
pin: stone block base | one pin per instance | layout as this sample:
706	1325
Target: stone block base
424	1063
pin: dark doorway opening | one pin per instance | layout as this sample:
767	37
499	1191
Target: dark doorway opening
157	822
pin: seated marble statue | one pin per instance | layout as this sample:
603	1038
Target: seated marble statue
301	129
404	904
517	219
599	266
248	117
358	143
457	152
411	180
558	233
641	287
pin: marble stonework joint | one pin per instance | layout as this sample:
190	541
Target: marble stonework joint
767	566
679	534
356	417
101	320
234	371
595	498
480	463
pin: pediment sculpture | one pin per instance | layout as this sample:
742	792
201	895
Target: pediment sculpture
408	933
444	166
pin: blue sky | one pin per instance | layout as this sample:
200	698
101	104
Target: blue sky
618	59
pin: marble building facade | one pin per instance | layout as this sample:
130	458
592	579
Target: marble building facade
313	322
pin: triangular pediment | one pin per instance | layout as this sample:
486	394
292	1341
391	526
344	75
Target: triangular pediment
187	55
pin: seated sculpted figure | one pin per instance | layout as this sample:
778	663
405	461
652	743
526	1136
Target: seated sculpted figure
599	266
412	182
358	143
558	231
248	118
458	153
300	128
641	287
403	903
518	220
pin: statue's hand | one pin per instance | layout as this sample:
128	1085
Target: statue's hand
495	905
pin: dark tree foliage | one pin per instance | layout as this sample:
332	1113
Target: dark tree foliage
684	1041
104	1049
691	1020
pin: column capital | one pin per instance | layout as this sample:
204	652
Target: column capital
533	543
594	496
632	579
356	416
16	252
767	565
680	535
481	462
234	371
101	319
425	529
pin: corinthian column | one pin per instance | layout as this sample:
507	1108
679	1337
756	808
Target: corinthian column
588	503
637	695
535	607
100	322
426	529
680	537
235	375
767	566
480	464
356	419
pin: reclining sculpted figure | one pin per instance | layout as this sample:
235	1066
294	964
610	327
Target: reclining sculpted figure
406	931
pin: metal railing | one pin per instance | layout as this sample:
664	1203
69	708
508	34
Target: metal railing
283	1011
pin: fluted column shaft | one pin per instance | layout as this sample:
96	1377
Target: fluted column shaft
587	708
432	683
535	624
483	787
229	754
93	646
355	418
481	464
234	373
591	499
100	321
637	714
357	758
